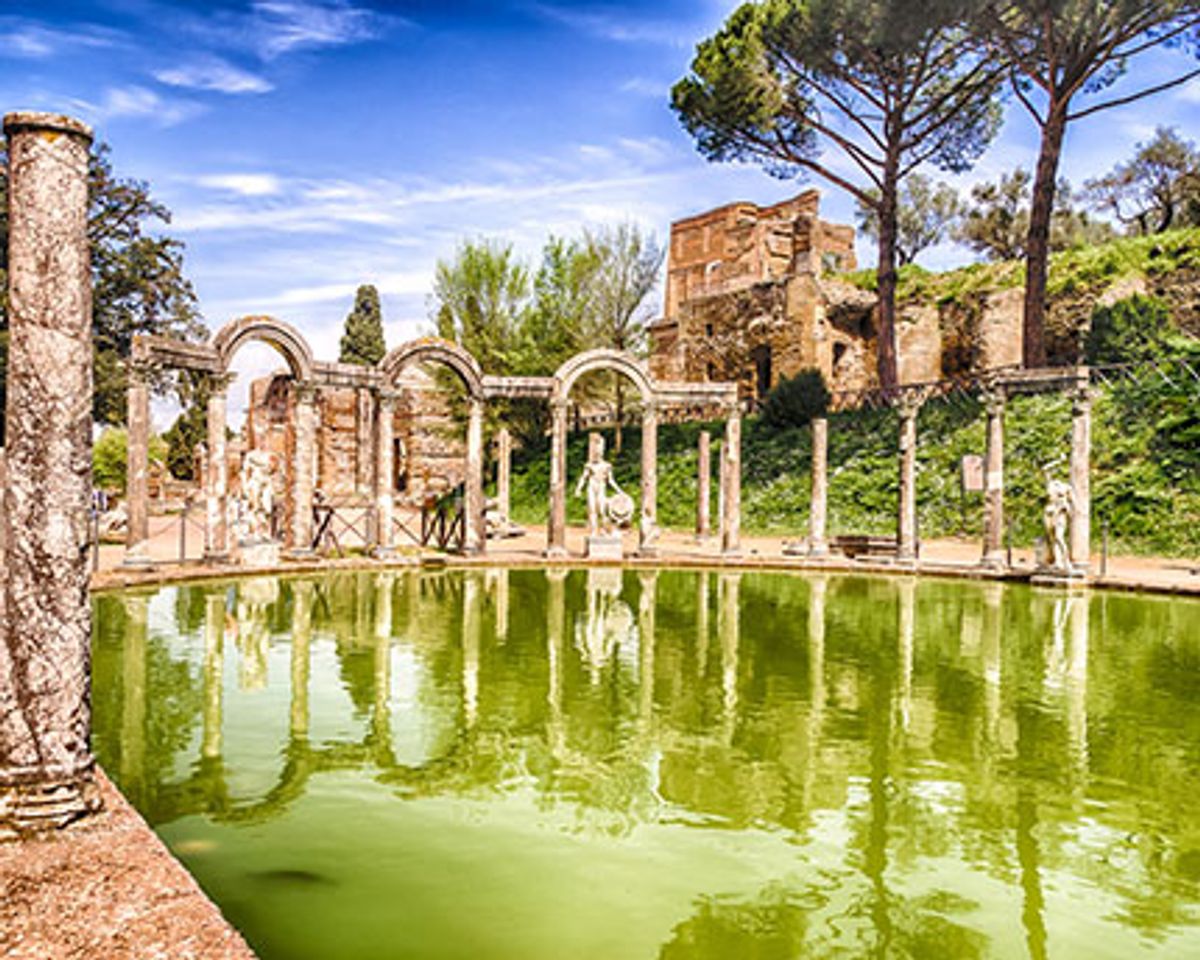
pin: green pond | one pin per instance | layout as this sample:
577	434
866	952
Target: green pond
620	764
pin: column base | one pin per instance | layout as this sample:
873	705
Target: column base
216	559
300	553
556	553
384	553
28	808
1054	577
137	558
994	562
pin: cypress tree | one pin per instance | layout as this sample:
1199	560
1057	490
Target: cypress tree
362	342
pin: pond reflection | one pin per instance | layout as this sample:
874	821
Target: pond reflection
635	764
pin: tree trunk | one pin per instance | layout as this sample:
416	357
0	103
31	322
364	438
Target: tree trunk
886	280
1037	244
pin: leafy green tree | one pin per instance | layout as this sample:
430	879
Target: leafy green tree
926	214
1061	52
109	457
138	281
996	222
794	401
362	341
883	86
190	427
479	302
565	294
1159	188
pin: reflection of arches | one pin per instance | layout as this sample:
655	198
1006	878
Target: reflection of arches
282	336
603	359
435	350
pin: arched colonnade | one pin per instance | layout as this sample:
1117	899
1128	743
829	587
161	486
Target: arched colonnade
382	383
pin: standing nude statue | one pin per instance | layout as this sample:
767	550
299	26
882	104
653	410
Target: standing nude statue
598	477
1060	506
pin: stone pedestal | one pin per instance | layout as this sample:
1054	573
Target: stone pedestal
993	482
603	548
818	543
259	553
46	764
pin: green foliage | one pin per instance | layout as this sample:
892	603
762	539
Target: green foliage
925	216
363	342
110	458
1157	189
138	281
1131	331
794	401
189	429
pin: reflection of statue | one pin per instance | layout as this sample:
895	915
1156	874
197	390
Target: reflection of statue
1060	505
604	512
258	496
609	623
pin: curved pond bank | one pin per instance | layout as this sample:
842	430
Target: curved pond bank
633	763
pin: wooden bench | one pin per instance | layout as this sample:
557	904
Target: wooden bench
856	545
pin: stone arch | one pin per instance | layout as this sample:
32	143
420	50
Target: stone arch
435	350
603	359
282	336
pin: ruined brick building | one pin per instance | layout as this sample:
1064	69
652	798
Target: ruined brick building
753	294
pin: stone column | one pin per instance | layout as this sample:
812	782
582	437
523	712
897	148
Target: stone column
818	511
1081	482
993	481
504	472
704	486
731	484
365	458
306	449
648	531
137	481
556	528
216	529
46	764
476	532
906	549
385	473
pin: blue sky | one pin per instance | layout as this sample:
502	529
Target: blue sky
307	146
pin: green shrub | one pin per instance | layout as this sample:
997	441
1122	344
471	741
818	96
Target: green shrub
1131	331
794	401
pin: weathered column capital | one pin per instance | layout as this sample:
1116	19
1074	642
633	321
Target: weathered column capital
910	402
1082	398
387	400
994	399
218	383
26	121
305	391
559	405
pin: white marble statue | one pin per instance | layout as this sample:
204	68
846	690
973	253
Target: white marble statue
258	496
1060	505
605	513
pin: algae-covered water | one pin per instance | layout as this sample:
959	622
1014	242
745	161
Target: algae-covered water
608	764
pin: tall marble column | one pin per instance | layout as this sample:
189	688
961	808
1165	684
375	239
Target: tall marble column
556	529
504	472
818	511
137	479
648	530
385	474
731	482
305	470
704	486
46	763
1081	483
216	528
476	531
906	551
993	480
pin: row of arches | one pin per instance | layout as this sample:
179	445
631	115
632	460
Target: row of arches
384	381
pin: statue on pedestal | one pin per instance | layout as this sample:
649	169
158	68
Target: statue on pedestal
1060	506
257	506
605	513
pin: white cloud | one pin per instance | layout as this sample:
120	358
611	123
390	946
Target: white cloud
214	74
617	28
28	39
243	184
137	102
644	87
284	26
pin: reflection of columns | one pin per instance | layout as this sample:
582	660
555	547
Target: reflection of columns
504	472
993	481
46	764
385	585
731	485
385	473
133	697
818	545
476	531
556	531
1081	487
137	481
1076	687
702	626
306	445
214	674
818	587
646	631
555	626
728	603
907	630
216	530
500	579
704	486
648	531
472	631
990	650
302	613
906	550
